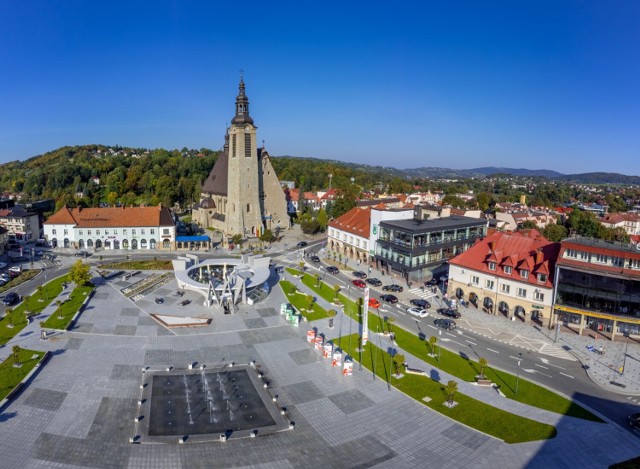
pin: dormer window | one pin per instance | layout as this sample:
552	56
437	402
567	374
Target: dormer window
542	278
492	266
507	269
524	273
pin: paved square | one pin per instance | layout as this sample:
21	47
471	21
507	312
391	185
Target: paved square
45	399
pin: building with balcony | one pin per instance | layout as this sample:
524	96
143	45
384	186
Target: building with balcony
23	226
414	247
597	287
509	274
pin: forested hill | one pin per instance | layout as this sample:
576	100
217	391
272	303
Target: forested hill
600	178
128	175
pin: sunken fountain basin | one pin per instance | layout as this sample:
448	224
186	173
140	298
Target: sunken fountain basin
195	405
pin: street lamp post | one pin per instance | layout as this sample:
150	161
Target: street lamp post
557	326
518	374
439	345
626	346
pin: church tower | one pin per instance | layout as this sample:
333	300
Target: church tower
243	211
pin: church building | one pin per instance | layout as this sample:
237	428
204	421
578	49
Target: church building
242	194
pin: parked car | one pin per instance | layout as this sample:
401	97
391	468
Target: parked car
389	298
420	303
445	323
15	268
11	299
3	265
634	420
185	302
315	259
374	303
452	313
393	288
3	282
358	283
159	300
418	312
5	276
81	254
301	244
333	269
431	283
374	281
38	252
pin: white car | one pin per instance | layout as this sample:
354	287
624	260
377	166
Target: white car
418	312
15	269
3	265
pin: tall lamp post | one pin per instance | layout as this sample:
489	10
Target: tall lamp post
626	346
557	326
518	375
439	344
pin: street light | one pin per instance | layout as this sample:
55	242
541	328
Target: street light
439	344
624	359
518	375
557	326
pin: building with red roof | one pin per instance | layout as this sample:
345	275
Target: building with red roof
111	228
348	235
507	273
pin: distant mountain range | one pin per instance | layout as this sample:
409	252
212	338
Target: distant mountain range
448	173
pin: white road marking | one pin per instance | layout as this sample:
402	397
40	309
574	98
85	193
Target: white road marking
472	343
544	360
544	367
529	370
491	350
564	374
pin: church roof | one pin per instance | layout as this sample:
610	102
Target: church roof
216	183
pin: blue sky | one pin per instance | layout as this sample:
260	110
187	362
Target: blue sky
460	84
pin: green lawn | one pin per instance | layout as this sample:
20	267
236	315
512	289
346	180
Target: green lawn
299	301
453	363
139	265
476	414
10	376
25	276
32	305
62	316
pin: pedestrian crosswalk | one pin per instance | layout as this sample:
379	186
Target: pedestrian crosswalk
424	294
556	351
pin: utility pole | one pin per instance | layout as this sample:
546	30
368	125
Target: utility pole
518	375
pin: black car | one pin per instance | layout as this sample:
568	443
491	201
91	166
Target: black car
431	283
315	259
159	300
393	288
634	420
81	254
389	298
452	313
420	303
445	323
359	274
332	269
11	299
301	244
374	281
185	302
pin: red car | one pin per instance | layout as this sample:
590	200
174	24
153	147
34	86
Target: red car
358	283
374	303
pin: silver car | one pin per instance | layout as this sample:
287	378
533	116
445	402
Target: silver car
418	312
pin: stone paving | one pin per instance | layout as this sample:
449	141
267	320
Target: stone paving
79	410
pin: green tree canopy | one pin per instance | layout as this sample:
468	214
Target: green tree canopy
79	273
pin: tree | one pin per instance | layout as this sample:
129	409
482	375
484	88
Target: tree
336	289
39	289
79	273
310	301
323	219
16	354
8	313
482	362
450	390
390	321
59	308
527	225
302	266
267	236
432	344
554	232
318	280
398	362
237	239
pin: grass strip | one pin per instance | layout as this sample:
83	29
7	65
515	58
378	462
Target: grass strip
476	414
459	365
16	320
66	310
300	302
139	265
10	375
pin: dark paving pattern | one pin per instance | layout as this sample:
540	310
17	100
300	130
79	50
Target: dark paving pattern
126	372
129	312
100	296
304	356
45	399
255	323
465	436
83	327
351	401
125	330
267	312
144	320
303	392
272	334
74	343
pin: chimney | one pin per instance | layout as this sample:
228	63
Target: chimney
539	257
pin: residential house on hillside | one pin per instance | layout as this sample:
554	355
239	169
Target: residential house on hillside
22	225
628	221
507	273
511	220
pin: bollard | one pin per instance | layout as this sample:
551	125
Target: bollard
223	438
191	366
254	433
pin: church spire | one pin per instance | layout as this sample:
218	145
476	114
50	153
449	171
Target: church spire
242	106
